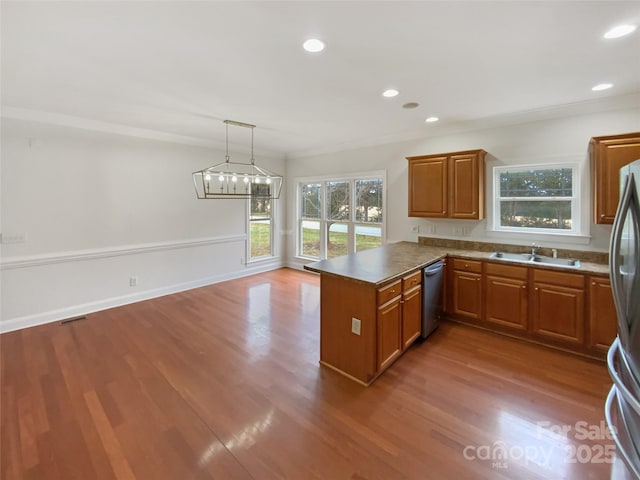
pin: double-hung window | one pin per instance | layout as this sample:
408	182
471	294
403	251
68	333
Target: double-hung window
340	216
537	199
260	223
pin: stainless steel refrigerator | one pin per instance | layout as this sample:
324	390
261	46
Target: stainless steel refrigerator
622	408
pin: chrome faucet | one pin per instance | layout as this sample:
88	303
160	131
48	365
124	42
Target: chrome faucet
534	249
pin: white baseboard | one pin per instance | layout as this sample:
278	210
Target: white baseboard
92	307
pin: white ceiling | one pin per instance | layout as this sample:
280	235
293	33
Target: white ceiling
182	67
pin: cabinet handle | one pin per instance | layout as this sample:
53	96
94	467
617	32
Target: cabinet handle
477	279
524	286
466	265
443	211
473	213
393	291
593	283
536	288
602	215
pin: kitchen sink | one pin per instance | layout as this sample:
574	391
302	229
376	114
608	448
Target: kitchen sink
538	259
518	257
562	262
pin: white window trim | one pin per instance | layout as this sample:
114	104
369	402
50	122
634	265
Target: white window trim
323	179
581	202
248	257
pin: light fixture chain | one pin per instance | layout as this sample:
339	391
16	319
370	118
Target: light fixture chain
253	160
227	144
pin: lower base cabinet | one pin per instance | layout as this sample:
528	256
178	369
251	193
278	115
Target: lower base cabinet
389	333
602	328
364	329
558	306
506	296
568	310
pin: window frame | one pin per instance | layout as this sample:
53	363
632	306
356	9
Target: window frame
351	222
577	207
272	238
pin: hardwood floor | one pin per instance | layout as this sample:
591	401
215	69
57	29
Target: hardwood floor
223	382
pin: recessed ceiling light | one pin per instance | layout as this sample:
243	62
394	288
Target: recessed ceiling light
313	45
602	86
392	92
620	31
411	105
432	119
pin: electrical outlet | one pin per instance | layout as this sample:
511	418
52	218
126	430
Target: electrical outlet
415	228
432	228
355	326
133	281
466	231
14	238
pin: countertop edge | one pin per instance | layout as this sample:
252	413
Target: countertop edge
586	268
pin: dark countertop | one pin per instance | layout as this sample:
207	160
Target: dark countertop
380	265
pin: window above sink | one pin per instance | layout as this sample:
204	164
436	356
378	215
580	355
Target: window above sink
540	200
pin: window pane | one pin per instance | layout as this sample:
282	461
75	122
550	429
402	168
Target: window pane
310	199
550	182
368	237
260	221
338	200
260	240
310	239
536	214
337	240
369	201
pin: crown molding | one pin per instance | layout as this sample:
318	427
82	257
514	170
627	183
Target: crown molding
619	102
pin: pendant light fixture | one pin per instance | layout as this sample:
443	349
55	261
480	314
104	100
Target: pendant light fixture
237	180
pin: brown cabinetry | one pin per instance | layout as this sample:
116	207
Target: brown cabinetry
466	288
602	326
447	185
411	308
365	328
389	333
558	306
608	155
506	296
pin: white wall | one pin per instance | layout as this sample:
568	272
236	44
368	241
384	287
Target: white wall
554	139
99	208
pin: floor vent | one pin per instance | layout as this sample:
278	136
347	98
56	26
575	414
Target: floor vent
75	319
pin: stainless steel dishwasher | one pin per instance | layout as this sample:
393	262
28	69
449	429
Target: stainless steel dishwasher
431	297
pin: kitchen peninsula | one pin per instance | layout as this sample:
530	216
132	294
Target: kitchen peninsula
370	307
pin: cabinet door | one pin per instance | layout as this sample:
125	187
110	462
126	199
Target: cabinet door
506	301
465	186
428	187
467	294
389	333
558	312
411	316
609	154
602	314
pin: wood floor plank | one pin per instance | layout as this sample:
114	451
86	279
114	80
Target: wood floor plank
223	382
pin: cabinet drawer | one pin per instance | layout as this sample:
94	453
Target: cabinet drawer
467	265
389	292
574	280
509	271
411	280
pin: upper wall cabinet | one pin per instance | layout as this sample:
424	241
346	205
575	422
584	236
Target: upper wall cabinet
608	154
447	185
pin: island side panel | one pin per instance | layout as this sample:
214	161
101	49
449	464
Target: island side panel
342	299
